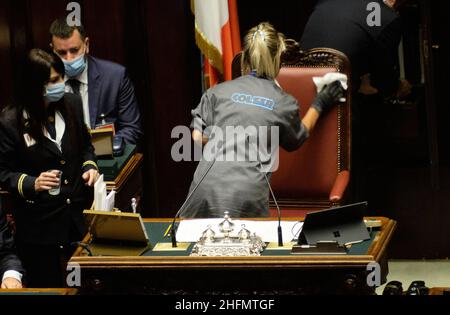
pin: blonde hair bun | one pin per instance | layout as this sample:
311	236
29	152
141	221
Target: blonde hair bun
263	46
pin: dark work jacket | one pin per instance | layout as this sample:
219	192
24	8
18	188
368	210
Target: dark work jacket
42	218
342	25
8	256
239	185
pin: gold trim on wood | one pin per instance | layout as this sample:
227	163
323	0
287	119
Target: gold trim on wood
125	173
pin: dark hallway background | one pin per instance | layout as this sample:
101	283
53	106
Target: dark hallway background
155	40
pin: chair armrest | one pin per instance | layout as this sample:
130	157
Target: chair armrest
339	187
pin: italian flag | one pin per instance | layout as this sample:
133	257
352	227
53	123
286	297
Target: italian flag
217	35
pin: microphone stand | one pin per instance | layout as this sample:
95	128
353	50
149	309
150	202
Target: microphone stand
173	230
280	231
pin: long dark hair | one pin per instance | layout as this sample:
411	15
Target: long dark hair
35	75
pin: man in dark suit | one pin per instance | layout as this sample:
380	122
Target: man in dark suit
371	45
10	266
369	33
105	88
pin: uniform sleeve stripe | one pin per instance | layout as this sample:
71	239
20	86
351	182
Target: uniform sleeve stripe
20	184
90	163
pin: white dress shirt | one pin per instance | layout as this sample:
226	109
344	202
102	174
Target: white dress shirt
83	79
60	127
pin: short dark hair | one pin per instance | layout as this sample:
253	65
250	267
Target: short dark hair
61	29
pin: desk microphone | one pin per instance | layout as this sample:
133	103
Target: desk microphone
188	198
280	232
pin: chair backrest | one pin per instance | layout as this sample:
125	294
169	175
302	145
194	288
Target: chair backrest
306	177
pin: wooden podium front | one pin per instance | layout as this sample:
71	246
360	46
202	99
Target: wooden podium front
125	179
128	184
275	272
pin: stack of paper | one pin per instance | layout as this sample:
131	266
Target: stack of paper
102	201
110	199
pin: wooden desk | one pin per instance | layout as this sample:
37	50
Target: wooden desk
39	292
275	272
439	291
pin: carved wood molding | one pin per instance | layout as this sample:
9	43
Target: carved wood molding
294	56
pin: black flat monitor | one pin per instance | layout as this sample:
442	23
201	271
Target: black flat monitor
344	224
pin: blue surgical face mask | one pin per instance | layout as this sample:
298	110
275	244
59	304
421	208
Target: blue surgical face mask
55	92
75	67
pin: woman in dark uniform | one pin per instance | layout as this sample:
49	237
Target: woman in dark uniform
254	102
42	131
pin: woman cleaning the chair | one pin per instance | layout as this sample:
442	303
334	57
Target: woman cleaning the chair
233	177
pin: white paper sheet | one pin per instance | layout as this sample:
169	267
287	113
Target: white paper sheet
100	194
191	230
110	200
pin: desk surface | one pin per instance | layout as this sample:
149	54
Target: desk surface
274	272
365	252
360	254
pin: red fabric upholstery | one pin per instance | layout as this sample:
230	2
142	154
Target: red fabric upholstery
309	172
340	185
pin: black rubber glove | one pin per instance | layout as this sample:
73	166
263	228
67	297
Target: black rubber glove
330	95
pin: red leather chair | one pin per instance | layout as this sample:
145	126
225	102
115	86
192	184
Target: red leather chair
317	175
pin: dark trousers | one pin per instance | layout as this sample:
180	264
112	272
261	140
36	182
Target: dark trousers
371	150
45	265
